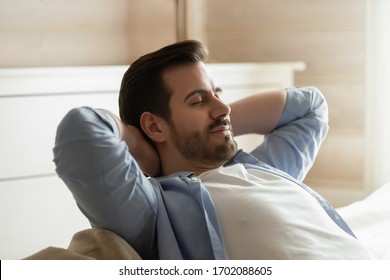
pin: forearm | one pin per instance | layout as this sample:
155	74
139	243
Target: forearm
145	155
258	113
126	133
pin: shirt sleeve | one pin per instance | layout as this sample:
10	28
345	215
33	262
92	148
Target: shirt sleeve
104	178
294	144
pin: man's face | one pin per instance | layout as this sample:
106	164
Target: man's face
200	126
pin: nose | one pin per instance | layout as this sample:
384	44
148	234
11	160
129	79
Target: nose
220	109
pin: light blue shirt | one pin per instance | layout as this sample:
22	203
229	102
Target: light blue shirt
174	217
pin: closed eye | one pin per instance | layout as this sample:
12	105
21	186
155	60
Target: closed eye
201	95
197	99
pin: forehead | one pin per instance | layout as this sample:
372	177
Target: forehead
183	79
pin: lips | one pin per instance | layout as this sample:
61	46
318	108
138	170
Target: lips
219	125
220	128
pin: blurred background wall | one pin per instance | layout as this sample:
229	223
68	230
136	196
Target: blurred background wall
344	45
329	36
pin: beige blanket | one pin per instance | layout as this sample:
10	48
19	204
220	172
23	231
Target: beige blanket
90	244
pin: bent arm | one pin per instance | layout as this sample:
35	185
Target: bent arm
104	178
294	143
258	113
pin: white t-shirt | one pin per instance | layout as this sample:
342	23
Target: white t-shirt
264	216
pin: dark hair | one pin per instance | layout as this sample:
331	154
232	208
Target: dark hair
143	90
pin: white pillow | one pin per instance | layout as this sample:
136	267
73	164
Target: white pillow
369	219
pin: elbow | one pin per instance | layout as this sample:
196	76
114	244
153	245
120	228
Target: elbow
319	104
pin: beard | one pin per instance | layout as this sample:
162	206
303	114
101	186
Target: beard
195	146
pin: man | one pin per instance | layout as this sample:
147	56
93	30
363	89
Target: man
169	178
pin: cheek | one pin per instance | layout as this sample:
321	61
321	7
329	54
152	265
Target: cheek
189	121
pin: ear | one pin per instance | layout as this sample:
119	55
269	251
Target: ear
153	126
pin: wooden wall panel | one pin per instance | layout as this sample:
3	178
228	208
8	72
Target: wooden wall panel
328	55
37	33
151	25
272	15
